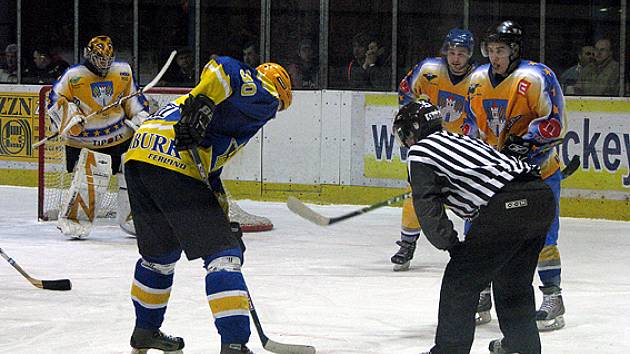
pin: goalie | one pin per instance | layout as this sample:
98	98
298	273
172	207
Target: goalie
94	146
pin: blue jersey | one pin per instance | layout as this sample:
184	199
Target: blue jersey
245	101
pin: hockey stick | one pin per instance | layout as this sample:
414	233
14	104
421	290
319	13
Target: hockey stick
76	119
268	344
299	208
571	167
61	284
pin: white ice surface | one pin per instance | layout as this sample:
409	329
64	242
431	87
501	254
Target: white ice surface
331	287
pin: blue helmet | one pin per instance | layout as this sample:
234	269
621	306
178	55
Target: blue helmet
458	37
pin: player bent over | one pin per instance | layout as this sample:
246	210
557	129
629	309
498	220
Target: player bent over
94	147
444	82
517	106
509	209
173	208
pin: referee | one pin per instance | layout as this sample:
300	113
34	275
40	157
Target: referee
510	210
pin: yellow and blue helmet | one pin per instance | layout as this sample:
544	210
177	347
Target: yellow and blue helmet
100	53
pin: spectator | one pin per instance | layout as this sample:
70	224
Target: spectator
9	73
570	77
45	68
368	68
251	56
304	71
600	78
183	72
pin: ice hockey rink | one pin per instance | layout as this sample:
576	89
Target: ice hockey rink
330	287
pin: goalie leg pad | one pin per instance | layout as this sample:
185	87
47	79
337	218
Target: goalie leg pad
227	295
151	288
91	179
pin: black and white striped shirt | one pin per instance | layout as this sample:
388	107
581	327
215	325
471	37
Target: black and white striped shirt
460	172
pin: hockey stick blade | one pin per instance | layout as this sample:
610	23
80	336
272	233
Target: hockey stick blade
571	167
281	348
299	208
61	284
271	345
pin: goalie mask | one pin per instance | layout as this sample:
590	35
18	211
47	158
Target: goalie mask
100	53
415	121
280	79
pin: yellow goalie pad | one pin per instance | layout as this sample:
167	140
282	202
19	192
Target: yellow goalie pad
89	184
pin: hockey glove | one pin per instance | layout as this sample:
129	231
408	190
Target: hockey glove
196	114
516	146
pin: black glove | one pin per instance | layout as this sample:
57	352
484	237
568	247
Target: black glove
514	145
196	114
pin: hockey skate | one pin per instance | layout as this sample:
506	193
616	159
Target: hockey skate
144	339
550	315
483	308
496	347
402	258
235	349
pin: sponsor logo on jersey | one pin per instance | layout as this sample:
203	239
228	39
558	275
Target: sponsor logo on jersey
75	80
523	85
429	76
451	105
473	88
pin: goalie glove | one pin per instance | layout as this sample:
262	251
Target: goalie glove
518	147
139	118
196	114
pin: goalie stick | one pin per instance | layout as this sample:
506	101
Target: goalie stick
268	344
61	284
75	120
301	209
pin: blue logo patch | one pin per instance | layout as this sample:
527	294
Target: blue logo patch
495	113
451	105
102	92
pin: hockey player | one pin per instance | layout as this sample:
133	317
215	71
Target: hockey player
444	82
509	208
518	107
81	90
174	209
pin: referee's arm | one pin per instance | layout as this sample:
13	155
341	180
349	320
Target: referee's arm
429	205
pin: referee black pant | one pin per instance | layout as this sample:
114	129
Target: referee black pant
501	247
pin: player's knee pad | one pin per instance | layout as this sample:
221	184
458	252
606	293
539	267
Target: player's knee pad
225	261
164	264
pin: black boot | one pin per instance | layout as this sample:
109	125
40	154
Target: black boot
235	349
154	339
402	258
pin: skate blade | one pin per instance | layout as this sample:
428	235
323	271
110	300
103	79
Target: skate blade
482	318
550	325
402	267
146	351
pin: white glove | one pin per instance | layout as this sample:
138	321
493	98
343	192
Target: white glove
139	118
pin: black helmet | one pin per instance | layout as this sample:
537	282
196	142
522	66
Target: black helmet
508	32
416	121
